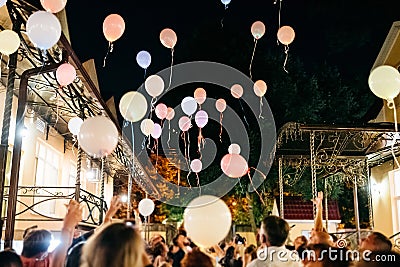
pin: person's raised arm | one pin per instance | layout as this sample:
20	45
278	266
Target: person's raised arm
318	224
71	219
115	205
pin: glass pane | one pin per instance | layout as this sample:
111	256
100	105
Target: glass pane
39	172
396	181
42	152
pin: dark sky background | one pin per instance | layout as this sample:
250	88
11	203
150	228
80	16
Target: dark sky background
346	34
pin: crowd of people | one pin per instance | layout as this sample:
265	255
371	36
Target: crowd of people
121	244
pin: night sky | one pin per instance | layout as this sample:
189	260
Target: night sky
346	34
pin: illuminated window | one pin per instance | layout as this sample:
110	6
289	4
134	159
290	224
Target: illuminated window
47	171
395	196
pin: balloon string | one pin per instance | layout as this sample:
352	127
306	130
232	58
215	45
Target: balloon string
198	183
244	113
109	50
172	63
133	153
261	105
391	105
169	133
279	16
252	57
145	71
221	116
200	142
286	58
57	108
251	181
156	141
241	187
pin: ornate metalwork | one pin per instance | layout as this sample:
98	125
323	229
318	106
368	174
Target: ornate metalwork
45	196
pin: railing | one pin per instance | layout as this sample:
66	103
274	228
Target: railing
39	203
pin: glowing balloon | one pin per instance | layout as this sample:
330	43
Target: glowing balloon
201	118
113	27
207	220
157	130
154	85
260	88
146	207
133	106
234	149
43	29
143	58
161	111
184	123
9	42
2	2
65	74
147	126
234	165
196	165
237	91
225	2
220	105
384	82
53	6
189	105
257	29
168	38
74	125
200	95
98	136
170	114
286	35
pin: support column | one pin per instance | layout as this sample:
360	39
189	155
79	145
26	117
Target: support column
102	191
313	171
281	189
5	132
356	214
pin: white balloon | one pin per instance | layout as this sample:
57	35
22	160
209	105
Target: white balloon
189	105
234	149
9	42
98	136
143	58
154	85
2	2
43	29
146	207
207	220
225	2
74	125
147	126
133	106
384	82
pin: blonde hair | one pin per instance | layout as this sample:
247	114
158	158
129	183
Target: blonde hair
118	244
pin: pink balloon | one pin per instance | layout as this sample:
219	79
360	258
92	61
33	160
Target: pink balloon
196	165
65	74
157	130
234	165
220	105
53	6
286	35
113	27
184	123
200	95
201	118
237	91
161	111
170	114
168	38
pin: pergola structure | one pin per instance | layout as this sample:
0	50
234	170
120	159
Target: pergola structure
333	152
30	76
